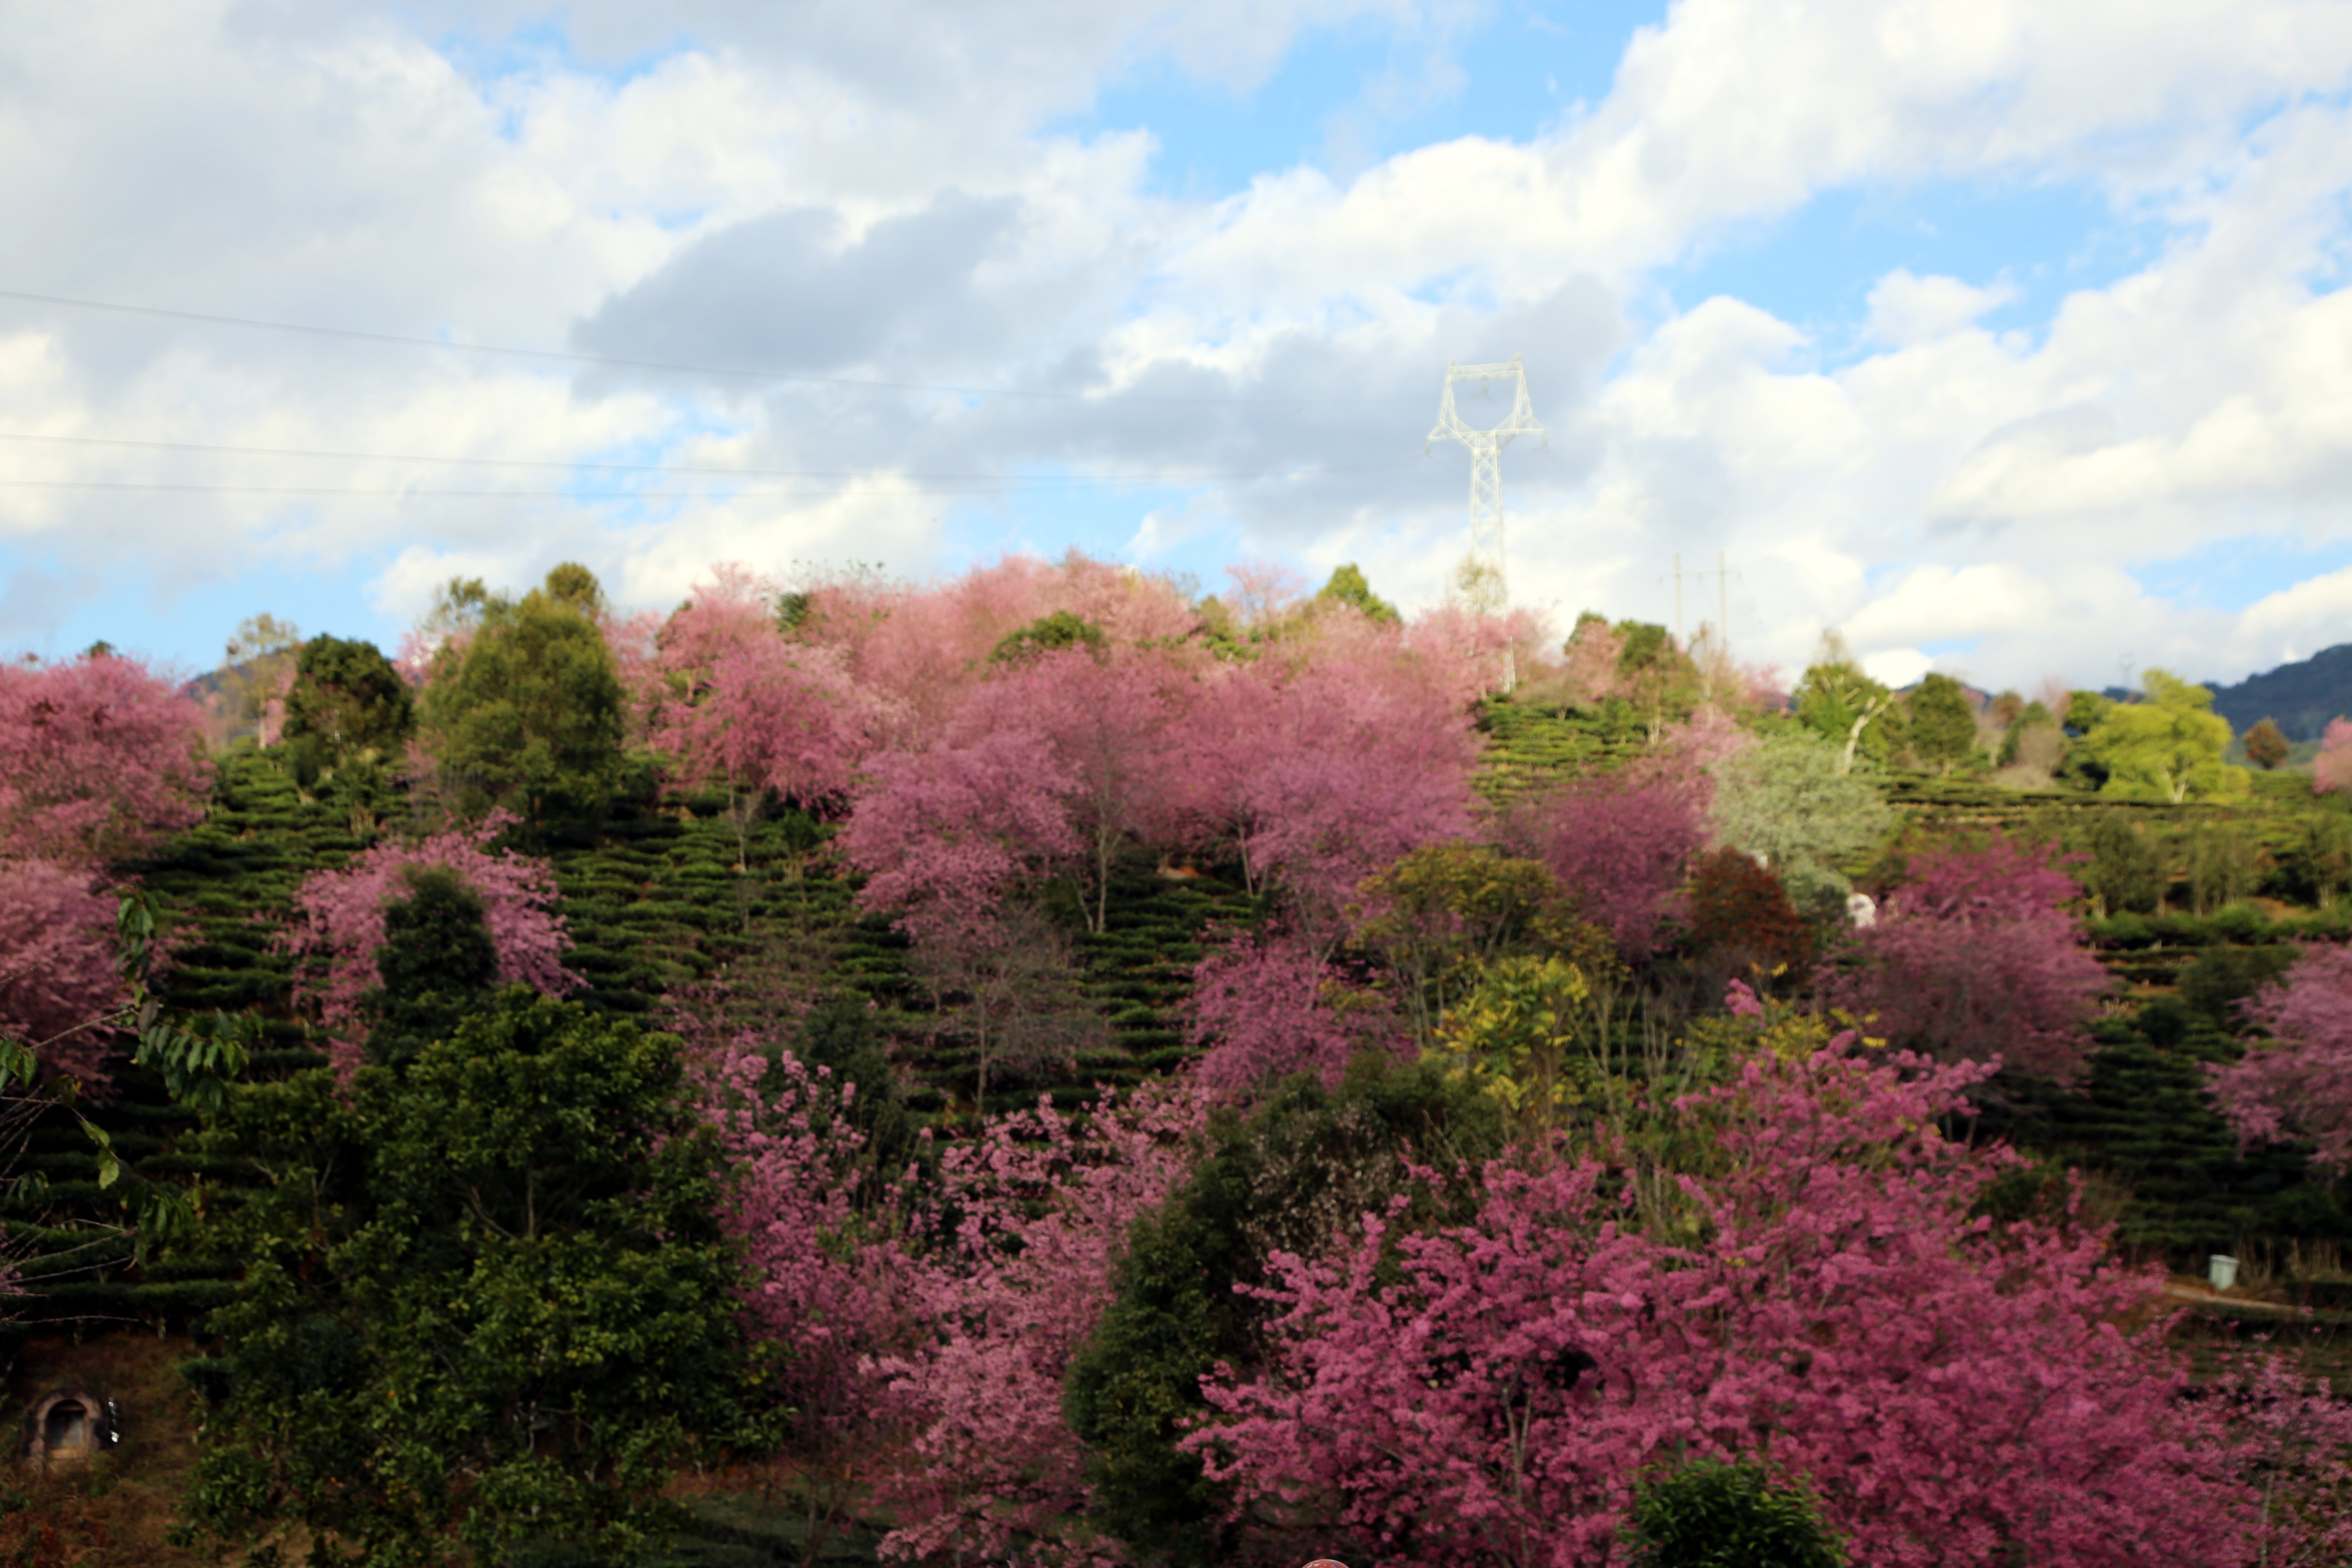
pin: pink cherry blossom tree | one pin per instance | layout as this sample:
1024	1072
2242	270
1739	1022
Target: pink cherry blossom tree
2298	1083
1267	1006
1590	676
1320	773
1622	845
1041	1208
1978	957
339	923
917	652
58	973
1116	723
940	833
2332	769
99	759
927	1335
830	1283
1488	1392
730	701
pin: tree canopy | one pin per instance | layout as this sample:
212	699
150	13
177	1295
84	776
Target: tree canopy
347	700
527	710
2168	746
485	1295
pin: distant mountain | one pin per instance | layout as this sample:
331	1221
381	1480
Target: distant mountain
2303	696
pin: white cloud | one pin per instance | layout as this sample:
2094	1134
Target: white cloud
863	190
1906	310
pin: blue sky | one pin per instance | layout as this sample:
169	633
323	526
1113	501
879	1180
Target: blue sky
2003	340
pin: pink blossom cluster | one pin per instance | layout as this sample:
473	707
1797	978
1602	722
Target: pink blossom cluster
2332	769
1488	1392
830	1288
1345	743
730	700
99	760
1263	1008
1041	1205
57	966
932	1333
339	924
1314	772
1978	957
2297	1083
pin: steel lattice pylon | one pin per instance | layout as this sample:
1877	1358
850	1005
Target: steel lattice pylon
1486	456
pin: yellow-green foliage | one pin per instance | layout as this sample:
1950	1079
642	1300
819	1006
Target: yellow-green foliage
2169	747
1522	1036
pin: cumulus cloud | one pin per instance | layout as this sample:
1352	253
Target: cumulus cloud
884	195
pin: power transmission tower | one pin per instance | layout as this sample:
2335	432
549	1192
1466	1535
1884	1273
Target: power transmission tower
1486	459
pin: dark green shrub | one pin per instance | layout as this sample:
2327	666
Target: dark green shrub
2225	864
2127	866
1281	1179
2165	1021
486	1301
1713	1514
2224	976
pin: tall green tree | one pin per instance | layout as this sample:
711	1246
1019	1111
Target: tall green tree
1943	724
347	700
2168	746
486	1307
1785	799
1654	674
437	965
1348	586
2125	871
1270	1182
1841	705
525	710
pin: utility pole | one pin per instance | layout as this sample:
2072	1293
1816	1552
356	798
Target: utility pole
1722	575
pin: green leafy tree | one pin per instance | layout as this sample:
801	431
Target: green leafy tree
1654	674
2168	746
260	653
487	1308
2219	978
2126	872
2225	864
347	712
347	700
1943	724
2034	744
1274	1181
2267	745
1785	799
1711	1513
1843	705
197	1057
438	963
1527	1038
1440	915
2086	710
1049	634
1348	586
525	711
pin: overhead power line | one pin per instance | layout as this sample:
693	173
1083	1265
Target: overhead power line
351	335
976	485
1182	476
